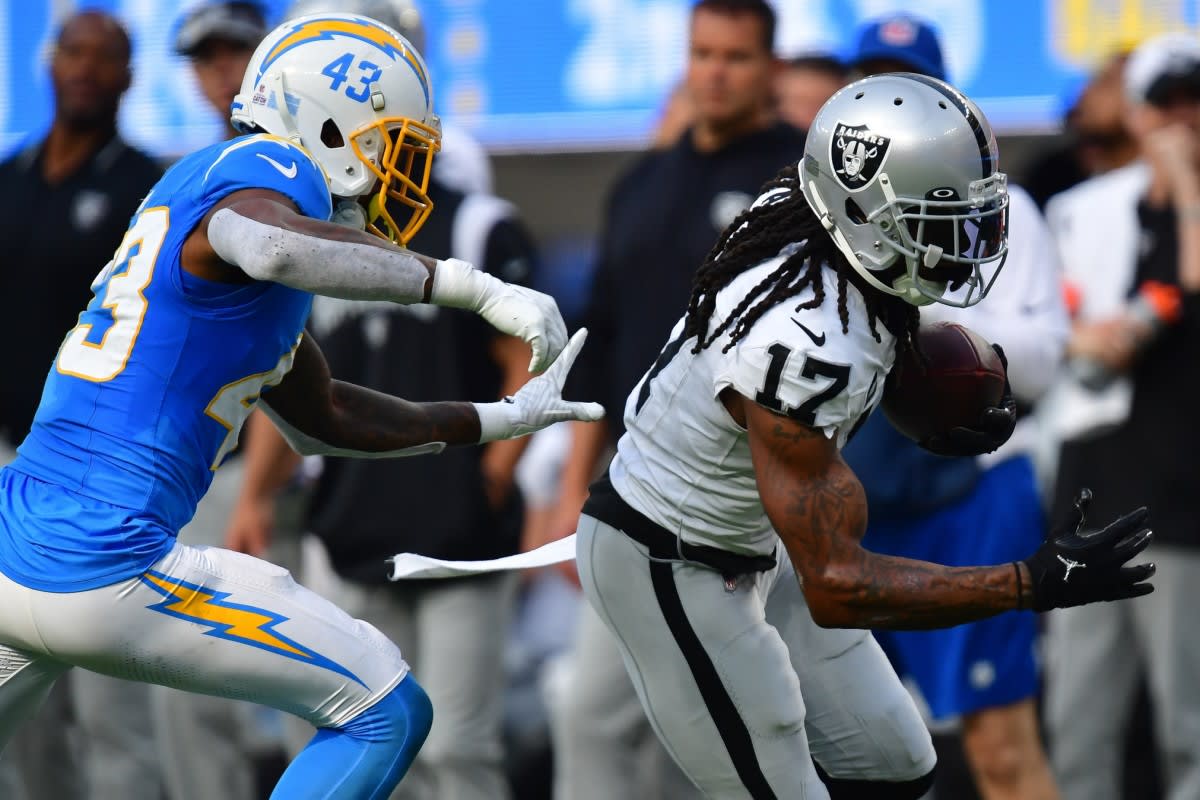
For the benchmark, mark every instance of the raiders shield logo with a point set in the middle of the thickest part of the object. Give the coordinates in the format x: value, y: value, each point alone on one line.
x: 856, y: 154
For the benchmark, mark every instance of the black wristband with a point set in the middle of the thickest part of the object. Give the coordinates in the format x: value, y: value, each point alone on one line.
x: 1020, y: 587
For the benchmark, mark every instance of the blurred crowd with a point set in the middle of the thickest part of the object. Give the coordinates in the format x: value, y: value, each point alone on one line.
x: 1097, y: 309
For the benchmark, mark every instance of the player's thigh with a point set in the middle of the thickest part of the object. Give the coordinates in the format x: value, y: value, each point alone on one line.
x: 714, y: 677
x: 223, y: 623
x: 862, y: 724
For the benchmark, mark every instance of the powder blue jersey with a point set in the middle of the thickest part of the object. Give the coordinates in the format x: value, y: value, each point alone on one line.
x: 149, y: 391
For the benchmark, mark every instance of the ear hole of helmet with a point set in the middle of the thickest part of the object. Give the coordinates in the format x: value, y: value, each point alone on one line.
x: 331, y: 136
x: 854, y: 212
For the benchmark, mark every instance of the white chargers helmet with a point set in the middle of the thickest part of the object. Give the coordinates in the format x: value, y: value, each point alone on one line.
x: 901, y: 169
x: 356, y: 95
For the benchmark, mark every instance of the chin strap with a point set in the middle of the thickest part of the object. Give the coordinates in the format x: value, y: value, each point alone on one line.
x: 291, y: 130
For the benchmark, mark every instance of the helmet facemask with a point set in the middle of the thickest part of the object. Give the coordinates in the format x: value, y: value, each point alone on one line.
x: 402, y: 170
x: 947, y: 242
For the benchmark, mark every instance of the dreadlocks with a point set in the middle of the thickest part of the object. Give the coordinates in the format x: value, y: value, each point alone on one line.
x: 762, y: 232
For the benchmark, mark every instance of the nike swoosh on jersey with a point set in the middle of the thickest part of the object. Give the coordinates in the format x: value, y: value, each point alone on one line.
x: 288, y: 172
x: 817, y: 340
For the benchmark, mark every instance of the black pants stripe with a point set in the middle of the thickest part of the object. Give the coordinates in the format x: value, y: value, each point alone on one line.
x: 720, y: 705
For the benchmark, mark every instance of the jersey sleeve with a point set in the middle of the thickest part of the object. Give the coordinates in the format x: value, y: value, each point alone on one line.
x: 269, y: 162
x: 801, y: 364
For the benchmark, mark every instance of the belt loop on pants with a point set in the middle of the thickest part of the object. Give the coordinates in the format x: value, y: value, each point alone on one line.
x: 610, y: 508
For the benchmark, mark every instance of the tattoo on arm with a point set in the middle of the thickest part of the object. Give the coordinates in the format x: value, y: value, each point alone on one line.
x: 819, y: 509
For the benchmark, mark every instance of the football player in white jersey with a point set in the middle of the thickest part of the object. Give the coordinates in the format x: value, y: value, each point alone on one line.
x: 752, y: 660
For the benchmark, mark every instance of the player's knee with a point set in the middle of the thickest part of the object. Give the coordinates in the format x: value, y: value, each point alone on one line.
x: 857, y: 789
x: 402, y: 717
x: 1002, y: 744
x: 418, y: 709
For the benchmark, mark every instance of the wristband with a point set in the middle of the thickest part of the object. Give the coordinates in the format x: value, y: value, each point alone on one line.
x: 457, y: 284
x: 1020, y: 587
x: 494, y: 421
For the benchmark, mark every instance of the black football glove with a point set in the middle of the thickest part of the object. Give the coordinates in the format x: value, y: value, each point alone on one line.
x: 1072, y: 567
x: 992, y: 431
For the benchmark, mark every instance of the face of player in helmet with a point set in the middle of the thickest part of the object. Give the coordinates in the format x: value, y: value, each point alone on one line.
x: 730, y: 70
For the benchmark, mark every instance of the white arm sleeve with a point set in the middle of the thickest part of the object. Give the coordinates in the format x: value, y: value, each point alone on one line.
x: 306, y: 445
x: 322, y: 266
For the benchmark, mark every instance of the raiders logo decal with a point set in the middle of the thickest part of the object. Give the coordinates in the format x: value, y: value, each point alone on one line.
x: 856, y: 154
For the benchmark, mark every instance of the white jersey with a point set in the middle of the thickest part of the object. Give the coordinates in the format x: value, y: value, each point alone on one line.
x: 685, y: 463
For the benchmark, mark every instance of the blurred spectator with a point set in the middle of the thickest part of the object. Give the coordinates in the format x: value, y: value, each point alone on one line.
x: 219, y: 39
x: 463, y: 504
x: 67, y: 200
x: 663, y: 216
x: 1097, y: 139
x: 678, y: 114
x: 804, y: 84
x: 898, y: 43
x: 1132, y: 435
x: 963, y: 511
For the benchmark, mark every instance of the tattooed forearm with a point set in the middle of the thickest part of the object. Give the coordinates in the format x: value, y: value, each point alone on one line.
x: 876, y: 591
x: 375, y: 422
x: 818, y: 507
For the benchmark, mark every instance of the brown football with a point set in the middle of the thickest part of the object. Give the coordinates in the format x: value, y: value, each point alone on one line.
x: 957, y: 376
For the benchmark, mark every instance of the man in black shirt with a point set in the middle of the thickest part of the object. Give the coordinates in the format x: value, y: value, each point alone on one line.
x: 663, y: 216
x: 65, y: 202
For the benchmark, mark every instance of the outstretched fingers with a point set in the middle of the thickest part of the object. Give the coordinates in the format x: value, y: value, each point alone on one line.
x: 548, y: 344
x: 584, y: 412
x: 562, y: 365
x: 1134, y: 582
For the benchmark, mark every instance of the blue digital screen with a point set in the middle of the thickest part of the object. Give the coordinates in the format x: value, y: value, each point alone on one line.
x: 543, y: 75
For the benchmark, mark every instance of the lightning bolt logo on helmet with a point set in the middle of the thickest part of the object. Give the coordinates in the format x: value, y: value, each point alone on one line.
x: 362, y: 29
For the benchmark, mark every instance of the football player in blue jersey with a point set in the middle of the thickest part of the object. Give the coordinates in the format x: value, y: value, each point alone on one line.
x: 200, y: 314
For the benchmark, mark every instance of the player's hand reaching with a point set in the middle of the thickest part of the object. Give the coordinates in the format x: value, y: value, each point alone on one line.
x: 531, y: 316
x: 539, y: 403
x: 1073, y: 567
x: 993, y: 428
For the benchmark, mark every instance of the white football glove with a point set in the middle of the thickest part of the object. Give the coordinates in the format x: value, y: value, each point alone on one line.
x: 539, y: 403
x: 515, y: 310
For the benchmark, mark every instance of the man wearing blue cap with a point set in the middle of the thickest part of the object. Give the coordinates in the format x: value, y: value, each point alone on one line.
x: 899, y: 43
x: 982, y: 674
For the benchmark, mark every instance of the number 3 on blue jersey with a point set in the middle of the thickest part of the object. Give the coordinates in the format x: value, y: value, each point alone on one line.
x: 99, y: 357
x: 127, y: 275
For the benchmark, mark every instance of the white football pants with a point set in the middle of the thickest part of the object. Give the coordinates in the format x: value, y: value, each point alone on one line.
x: 743, y: 688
